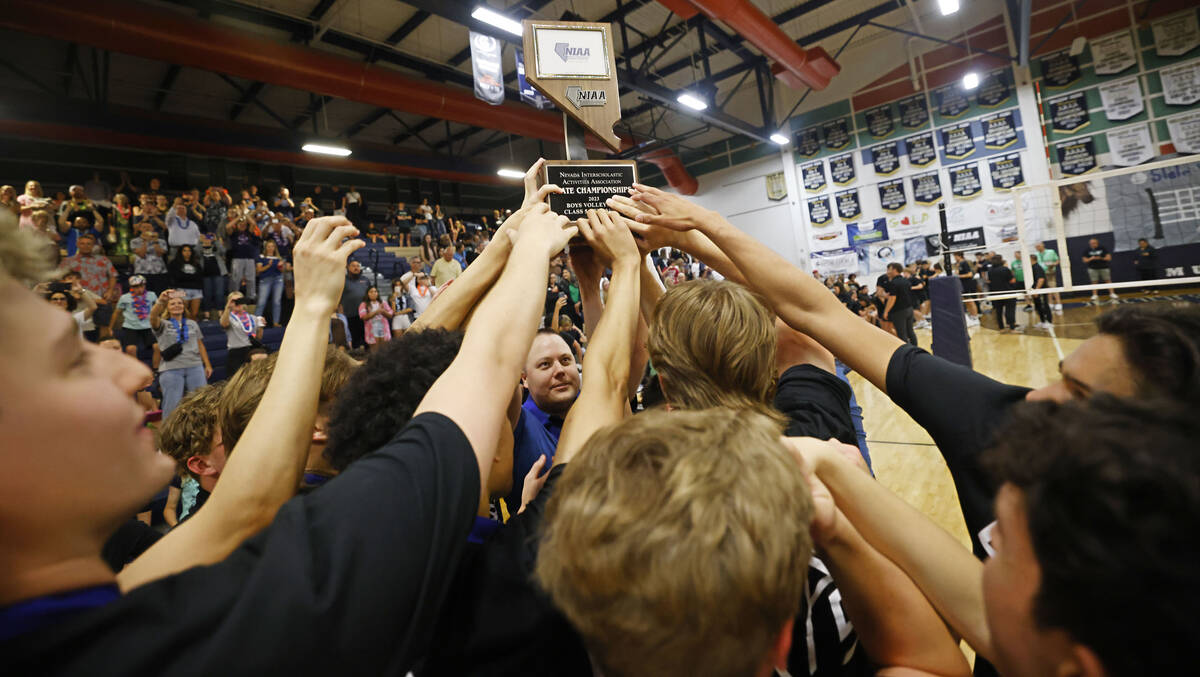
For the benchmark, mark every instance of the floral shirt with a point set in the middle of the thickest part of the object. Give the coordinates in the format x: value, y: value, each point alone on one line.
x: 94, y: 271
x: 152, y: 263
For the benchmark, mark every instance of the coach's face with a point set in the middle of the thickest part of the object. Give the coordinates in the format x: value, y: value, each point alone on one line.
x: 551, y: 375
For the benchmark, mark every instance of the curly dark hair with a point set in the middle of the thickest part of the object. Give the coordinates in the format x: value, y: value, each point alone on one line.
x: 1163, y: 347
x: 1112, y: 494
x: 380, y: 398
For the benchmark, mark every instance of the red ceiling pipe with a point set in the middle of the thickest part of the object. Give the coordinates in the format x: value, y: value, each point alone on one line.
x: 673, y: 170
x: 813, y: 67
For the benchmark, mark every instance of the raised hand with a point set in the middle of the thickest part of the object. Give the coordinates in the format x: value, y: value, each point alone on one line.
x: 609, y: 236
x: 650, y: 237
x: 673, y: 211
x: 533, y: 194
x: 546, y: 228
x: 320, y: 261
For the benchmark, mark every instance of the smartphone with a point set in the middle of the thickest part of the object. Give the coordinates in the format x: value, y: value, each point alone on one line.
x: 60, y: 287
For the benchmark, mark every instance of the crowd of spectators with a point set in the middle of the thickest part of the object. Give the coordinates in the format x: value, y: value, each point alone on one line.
x: 453, y: 502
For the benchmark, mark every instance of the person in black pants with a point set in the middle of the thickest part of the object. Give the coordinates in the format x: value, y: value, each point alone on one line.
x: 1001, y: 279
x: 1145, y: 261
x: 1040, y: 301
x: 899, y: 308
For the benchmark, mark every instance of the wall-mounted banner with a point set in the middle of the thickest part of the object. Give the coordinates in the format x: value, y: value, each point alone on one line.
x: 487, y: 67
x: 1060, y: 70
x: 848, y: 205
x: 886, y: 158
x: 841, y: 262
x: 808, y: 142
x: 528, y: 94
x: 994, y: 89
x: 966, y: 238
x: 879, y: 121
x: 812, y: 175
x: 1006, y: 171
x: 999, y: 130
x: 926, y: 188
x: 776, y: 186
x: 1122, y: 100
x: 1129, y: 146
x: 867, y: 231
x: 964, y: 180
x: 957, y: 141
x: 1069, y: 113
x: 837, y: 133
x: 1176, y: 34
x: 827, y: 237
x: 951, y: 101
x: 841, y: 169
x: 920, y: 149
x: 818, y: 210
x: 1077, y: 156
x: 891, y: 195
x: 1181, y: 83
x: 913, y: 111
x: 1185, y: 132
x: 1113, y: 54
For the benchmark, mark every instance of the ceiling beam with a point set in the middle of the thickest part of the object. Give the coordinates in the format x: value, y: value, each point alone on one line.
x: 368, y: 120
x: 164, y: 88
x: 251, y: 96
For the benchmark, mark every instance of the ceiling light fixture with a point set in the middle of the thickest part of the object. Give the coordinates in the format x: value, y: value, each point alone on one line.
x: 494, y: 18
x: 511, y: 173
x: 326, y: 150
x: 779, y: 139
x: 947, y: 7
x: 692, y: 101
x: 970, y: 80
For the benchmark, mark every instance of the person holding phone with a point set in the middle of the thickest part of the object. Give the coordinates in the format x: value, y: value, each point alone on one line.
x: 269, y: 268
x: 184, y: 366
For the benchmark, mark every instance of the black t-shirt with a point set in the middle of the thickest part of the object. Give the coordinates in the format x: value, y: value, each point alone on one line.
x: 1039, y: 273
x: 964, y: 268
x: 1097, y: 264
x: 187, y: 274
x: 901, y: 288
x: 817, y: 404
x: 402, y: 220
x: 346, y: 580
x: 1000, y: 278
x: 961, y: 409
x: 245, y: 244
x: 1146, y: 259
x: 130, y: 540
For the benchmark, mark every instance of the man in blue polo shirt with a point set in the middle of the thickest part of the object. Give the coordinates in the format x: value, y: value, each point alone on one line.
x: 552, y: 379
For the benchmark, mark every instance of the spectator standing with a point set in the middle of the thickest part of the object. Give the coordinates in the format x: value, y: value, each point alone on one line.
x: 352, y: 204
x: 132, y: 314
x: 97, y: 275
x: 402, y: 309
x: 126, y: 185
x: 1001, y: 280
x: 242, y: 332
x: 420, y: 289
x: 80, y: 225
x: 212, y: 263
x: 10, y: 209
x: 1049, y: 260
x: 284, y: 206
x: 966, y: 274
x: 187, y: 277
x: 1146, y: 263
x: 184, y: 366
x: 428, y: 250
x: 98, y: 190
x: 149, y: 252
x: 353, y: 291
x: 401, y: 226
x: 269, y: 267
x: 31, y: 200
x: 376, y: 316
x: 245, y: 245
x: 446, y: 268
x: 1040, y: 302
x: 181, y: 230
x: 1099, y: 263
x: 898, y: 308
x: 216, y: 207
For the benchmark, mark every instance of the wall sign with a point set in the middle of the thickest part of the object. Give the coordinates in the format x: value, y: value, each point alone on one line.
x: 1176, y: 34
x: 848, y: 205
x: 1006, y: 171
x: 879, y: 121
x: 818, y: 210
x: 1077, y: 156
x: 813, y: 176
x: 1069, y: 113
x: 913, y: 111
x: 1122, y: 99
x: 837, y: 133
x: 926, y: 188
x: 891, y: 195
x: 994, y: 90
x: 964, y: 180
x: 1129, y: 146
x: 999, y: 130
x: 1185, y: 132
x: 841, y: 169
x: 808, y: 143
x: 573, y: 66
x: 957, y: 141
x: 966, y: 238
x: 951, y: 101
x: 1113, y: 54
x: 1060, y: 70
x: 920, y: 149
x: 874, y: 230
x: 528, y: 94
x: 886, y: 158
x: 1181, y: 83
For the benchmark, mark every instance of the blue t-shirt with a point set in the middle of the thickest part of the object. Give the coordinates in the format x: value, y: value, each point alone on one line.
x: 536, y: 435
x: 273, y: 271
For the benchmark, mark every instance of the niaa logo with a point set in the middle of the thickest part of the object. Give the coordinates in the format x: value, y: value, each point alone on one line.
x: 568, y: 53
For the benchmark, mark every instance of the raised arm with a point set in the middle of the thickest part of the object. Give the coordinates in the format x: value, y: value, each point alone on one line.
x: 265, y: 467
x: 693, y: 242
x: 607, y: 363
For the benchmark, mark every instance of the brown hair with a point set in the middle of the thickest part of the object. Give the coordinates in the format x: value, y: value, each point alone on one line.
x: 678, y: 543
x: 245, y: 390
x: 188, y: 431
x: 713, y: 345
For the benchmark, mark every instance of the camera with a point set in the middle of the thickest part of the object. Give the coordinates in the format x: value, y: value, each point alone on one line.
x: 60, y: 287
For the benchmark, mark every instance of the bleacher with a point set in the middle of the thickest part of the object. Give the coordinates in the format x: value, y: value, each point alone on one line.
x: 214, y: 343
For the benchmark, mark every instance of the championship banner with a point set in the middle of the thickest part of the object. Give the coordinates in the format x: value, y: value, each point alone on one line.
x: 1181, y: 83
x: 488, y: 68
x: 913, y: 111
x: 776, y: 186
x: 999, y: 130
x: 891, y: 195
x: 1113, y: 54
x: 835, y: 262
x: 964, y: 180
x: 951, y: 102
x: 528, y: 94
x: 966, y: 238
x: 886, y: 158
x: 920, y: 149
x: 1077, y: 156
x: 1185, y: 132
x: 841, y: 169
x: 813, y: 176
x: 957, y: 141
x: 808, y: 142
x: 926, y: 188
x: 1176, y: 34
x: 1122, y: 100
x: 848, y: 205
x: 1006, y: 171
x: 879, y: 121
x: 837, y: 133
x: 1130, y: 146
x: 1069, y: 113
x: 867, y: 231
x: 1060, y: 70
x: 994, y: 89
x: 818, y: 210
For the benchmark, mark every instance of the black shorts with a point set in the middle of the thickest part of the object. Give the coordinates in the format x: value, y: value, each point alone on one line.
x: 969, y: 286
x: 142, y: 338
x: 817, y: 404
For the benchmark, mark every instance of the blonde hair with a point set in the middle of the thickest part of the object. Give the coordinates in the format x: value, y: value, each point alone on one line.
x: 25, y: 257
x: 713, y: 344
x: 678, y: 543
x: 188, y: 431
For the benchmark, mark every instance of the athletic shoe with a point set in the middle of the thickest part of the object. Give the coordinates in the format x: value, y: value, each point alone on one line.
x: 1113, y: 295
x: 1058, y: 307
x: 1095, y: 300
x: 1027, y: 307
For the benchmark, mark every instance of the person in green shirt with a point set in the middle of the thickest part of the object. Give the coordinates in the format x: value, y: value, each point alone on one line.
x: 1049, y: 260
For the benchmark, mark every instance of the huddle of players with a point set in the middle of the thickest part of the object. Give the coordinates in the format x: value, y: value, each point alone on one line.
x: 668, y: 542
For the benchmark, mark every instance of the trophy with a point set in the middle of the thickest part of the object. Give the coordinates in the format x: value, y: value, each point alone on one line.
x: 573, y: 65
